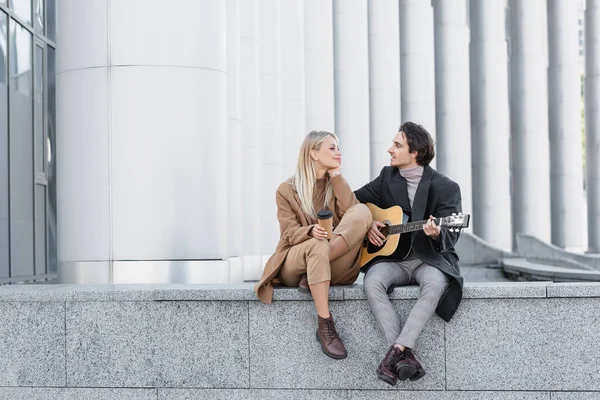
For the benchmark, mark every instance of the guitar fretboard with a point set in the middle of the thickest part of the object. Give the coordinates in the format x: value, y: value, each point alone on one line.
x: 411, y: 226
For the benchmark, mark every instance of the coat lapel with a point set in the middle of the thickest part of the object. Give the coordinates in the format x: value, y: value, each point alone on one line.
x: 420, y: 200
x: 397, y: 186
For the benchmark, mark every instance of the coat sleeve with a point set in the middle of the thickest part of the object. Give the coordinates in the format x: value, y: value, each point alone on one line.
x: 371, y: 192
x: 290, y: 228
x: 344, y: 197
x: 449, y: 202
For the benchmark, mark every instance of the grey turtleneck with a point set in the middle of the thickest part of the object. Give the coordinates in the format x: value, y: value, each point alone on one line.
x: 413, y: 177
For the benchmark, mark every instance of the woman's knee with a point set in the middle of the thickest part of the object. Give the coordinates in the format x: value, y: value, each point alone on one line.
x: 363, y: 212
x: 318, y: 247
x: 361, y: 215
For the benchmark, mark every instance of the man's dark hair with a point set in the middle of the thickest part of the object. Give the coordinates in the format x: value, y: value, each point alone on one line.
x: 418, y: 140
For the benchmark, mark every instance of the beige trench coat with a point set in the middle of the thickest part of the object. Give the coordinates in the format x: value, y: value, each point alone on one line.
x: 295, y: 225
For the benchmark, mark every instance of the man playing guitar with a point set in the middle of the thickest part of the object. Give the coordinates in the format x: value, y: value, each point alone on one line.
x: 425, y: 257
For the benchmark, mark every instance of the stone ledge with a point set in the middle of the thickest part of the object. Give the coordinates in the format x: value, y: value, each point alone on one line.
x: 244, y: 292
x: 502, y: 343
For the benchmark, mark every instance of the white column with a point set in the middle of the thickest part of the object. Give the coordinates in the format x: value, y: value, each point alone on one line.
x: 252, y: 193
x: 384, y: 79
x: 529, y: 119
x: 234, y: 133
x: 418, y: 64
x: 592, y: 119
x: 490, y: 123
x: 292, y: 83
x: 318, y: 64
x: 351, y: 49
x: 140, y: 114
x: 565, y: 124
x: 270, y: 125
x: 453, y: 100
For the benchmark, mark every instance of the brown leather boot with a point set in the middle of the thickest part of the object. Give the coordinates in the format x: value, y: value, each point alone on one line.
x: 408, y: 367
x: 387, y: 368
x: 303, y: 285
x: 331, y: 343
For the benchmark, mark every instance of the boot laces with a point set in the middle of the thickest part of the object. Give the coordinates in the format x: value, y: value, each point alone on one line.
x: 330, y: 330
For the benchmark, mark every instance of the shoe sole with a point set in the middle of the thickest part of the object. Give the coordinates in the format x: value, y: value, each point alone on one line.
x: 387, y: 379
x: 406, y: 372
x: 335, y: 356
x: 418, y: 375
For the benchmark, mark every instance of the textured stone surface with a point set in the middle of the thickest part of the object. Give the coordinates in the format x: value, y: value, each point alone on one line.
x: 284, y: 352
x: 157, y: 344
x: 413, y: 395
x: 356, y: 292
x: 76, y: 394
x: 32, y: 344
x: 474, y: 290
x: 578, y: 289
x: 500, y: 290
x: 524, y: 344
x: 250, y: 394
x: 276, y: 394
x: 576, y: 396
x: 126, y: 292
x: 292, y: 293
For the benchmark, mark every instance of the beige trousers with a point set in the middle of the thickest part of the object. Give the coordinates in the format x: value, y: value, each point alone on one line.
x: 311, y: 257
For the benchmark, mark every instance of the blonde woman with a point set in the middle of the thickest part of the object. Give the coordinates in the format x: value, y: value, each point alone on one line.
x: 304, y: 257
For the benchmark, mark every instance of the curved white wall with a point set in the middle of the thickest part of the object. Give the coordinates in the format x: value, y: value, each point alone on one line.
x: 529, y: 119
x: 490, y: 123
x: 138, y: 158
x: 384, y: 79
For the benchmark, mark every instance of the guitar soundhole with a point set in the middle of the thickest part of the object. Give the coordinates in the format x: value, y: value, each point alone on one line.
x: 371, y: 248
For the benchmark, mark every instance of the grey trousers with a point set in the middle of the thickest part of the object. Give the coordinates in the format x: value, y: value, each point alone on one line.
x: 410, y: 271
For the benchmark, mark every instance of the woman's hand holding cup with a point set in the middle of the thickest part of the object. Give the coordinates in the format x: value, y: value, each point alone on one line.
x: 318, y: 232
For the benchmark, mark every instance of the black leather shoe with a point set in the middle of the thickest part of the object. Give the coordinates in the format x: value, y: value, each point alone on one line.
x: 408, y: 367
x: 387, y: 368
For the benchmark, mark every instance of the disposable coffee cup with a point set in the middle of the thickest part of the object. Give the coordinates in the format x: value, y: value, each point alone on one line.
x: 325, y: 220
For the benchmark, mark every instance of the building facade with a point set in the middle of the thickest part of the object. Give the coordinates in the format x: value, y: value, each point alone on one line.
x: 176, y: 122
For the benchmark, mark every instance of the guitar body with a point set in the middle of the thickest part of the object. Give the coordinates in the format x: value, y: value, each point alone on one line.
x: 397, y: 232
x: 389, y: 216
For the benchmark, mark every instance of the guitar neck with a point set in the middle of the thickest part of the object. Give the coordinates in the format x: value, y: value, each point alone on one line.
x: 411, y: 226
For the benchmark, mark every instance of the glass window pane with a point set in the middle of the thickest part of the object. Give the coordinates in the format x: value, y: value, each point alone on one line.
x: 51, y: 19
x: 40, y: 229
x: 20, y: 65
x: 22, y: 8
x: 38, y: 16
x: 51, y: 159
x: 38, y: 110
x: 3, y: 47
x: 38, y: 77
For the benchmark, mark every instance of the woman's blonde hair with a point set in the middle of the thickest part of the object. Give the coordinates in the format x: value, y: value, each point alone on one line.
x: 305, y: 178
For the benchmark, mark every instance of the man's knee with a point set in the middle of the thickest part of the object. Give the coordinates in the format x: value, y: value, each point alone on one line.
x: 434, y: 288
x: 373, y: 286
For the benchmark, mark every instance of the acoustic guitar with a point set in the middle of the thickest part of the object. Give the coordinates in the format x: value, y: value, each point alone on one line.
x: 396, y: 223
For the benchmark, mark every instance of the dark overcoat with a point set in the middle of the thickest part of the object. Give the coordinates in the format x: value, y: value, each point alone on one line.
x: 436, y: 195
